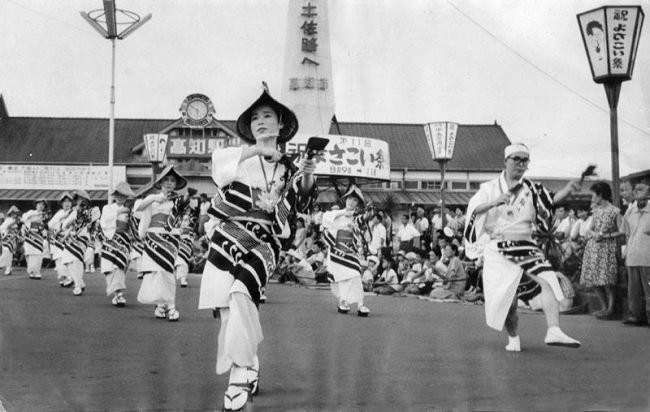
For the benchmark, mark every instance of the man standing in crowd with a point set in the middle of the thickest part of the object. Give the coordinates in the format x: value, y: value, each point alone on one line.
x: 422, y: 226
x: 407, y: 235
x: 637, y: 259
x: 378, y: 231
x: 508, y: 209
x: 627, y: 195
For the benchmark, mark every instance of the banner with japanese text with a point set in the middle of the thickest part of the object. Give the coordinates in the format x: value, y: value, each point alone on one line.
x: 54, y: 177
x: 348, y: 156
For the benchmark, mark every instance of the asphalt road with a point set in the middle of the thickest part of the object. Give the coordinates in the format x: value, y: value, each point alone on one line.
x: 64, y: 353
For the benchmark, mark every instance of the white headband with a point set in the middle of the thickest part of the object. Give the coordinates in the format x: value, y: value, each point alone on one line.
x: 515, y: 148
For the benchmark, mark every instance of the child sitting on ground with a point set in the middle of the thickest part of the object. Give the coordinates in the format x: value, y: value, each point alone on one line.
x: 369, y: 274
x: 387, y: 284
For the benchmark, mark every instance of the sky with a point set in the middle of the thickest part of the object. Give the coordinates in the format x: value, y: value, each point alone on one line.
x: 520, y: 63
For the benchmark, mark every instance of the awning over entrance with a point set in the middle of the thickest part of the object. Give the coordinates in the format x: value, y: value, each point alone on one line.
x: 53, y: 195
x: 417, y: 197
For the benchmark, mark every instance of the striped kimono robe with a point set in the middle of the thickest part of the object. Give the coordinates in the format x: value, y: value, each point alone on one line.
x: 245, y: 247
x: 78, y: 241
x: 343, y: 258
x: 35, y: 244
x: 9, y: 234
x: 56, y: 239
x: 118, y: 232
x: 506, y: 261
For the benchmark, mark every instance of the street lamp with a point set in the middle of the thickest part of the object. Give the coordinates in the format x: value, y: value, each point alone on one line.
x: 611, y: 38
x: 441, y: 137
x: 106, y: 23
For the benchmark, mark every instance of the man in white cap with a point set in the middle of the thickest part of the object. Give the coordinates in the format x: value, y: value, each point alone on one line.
x: 503, y: 215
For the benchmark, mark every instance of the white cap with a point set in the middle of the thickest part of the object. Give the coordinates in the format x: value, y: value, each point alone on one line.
x: 515, y: 148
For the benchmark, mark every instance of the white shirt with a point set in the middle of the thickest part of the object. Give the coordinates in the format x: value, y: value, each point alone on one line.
x: 378, y: 238
x: 407, y: 233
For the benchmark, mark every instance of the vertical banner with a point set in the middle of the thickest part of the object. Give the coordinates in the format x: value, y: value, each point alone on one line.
x: 307, y: 77
x: 156, y: 146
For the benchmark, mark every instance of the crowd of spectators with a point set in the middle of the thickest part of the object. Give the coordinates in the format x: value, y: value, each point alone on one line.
x: 417, y: 255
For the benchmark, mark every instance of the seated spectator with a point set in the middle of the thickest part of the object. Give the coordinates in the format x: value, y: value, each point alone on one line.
x: 416, y: 276
x: 387, y: 283
x: 403, y: 265
x: 434, y: 269
x: 454, y: 279
x: 369, y: 273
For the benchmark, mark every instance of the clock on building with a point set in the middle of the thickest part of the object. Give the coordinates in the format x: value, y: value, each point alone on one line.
x: 197, y: 110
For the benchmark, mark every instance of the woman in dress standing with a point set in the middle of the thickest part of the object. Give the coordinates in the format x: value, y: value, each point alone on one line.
x: 161, y: 214
x: 79, y: 234
x: 257, y: 193
x: 119, y: 230
x: 34, y: 222
x: 57, y: 235
x: 599, y: 265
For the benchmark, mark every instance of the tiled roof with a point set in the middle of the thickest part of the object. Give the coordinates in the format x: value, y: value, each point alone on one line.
x: 70, y: 140
x: 85, y: 140
x: 478, y: 147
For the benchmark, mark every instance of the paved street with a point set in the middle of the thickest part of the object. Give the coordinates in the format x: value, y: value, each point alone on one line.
x: 62, y: 353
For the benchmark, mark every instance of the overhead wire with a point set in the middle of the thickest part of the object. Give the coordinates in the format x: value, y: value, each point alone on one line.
x: 47, y: 16
x: 539, y: 69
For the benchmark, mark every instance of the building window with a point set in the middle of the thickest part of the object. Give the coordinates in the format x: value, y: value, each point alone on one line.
x: 376, y: 185
x: 396, y: 185
x: 431, y: 184
x: 474, y: 185
x: 411, y: 184
x: 458, y: 185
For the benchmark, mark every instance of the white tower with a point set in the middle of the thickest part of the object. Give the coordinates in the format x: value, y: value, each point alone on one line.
x: 307, y: 77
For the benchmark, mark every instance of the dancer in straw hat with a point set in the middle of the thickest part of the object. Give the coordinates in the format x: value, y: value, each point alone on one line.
x: 119, y: 230
x: 257, y: 191
x: 57, y: 235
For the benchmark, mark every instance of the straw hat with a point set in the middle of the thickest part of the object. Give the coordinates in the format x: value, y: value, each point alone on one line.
x: 124, y: 189
x: 41, y: 200
x: 82, y: 194
x: 66, y: 195
x: 354, y: 191
x: 181, y: 182
x: 286, y: 117
x: 13, y: 209
x: 373, y: 258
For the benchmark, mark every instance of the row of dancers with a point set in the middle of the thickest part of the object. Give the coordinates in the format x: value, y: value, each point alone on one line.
x: 146, y: 234
x: 259, y: 193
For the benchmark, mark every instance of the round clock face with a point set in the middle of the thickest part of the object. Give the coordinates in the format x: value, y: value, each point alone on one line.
x: 197, y: 110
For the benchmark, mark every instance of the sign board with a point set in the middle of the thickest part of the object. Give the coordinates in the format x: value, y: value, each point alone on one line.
x: 441, y: 138
x: 156, y: 146
x: 51, y: 177
x: 611, y: 37
x: 196, y: 147
x: 348, y: 156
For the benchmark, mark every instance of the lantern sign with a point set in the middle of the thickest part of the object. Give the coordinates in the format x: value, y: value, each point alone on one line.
x: 156, y: 146
x: 611, y: 38
x: 441, y: 138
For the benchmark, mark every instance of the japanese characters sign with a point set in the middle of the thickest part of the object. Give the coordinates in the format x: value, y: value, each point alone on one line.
x: 307, y: 75
x: 194, y: 146
x: 348, y: 156
x: 156, y: 146
x: 51, y: 177
x: 441, y: 138
x: 611, y: 38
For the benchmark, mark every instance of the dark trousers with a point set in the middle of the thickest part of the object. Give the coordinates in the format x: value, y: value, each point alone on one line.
x: 638, y: 291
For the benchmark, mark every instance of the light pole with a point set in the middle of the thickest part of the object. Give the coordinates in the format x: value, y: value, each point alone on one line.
x: 441, y: 137
x: 611, y: 37
x: 105, y: 21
